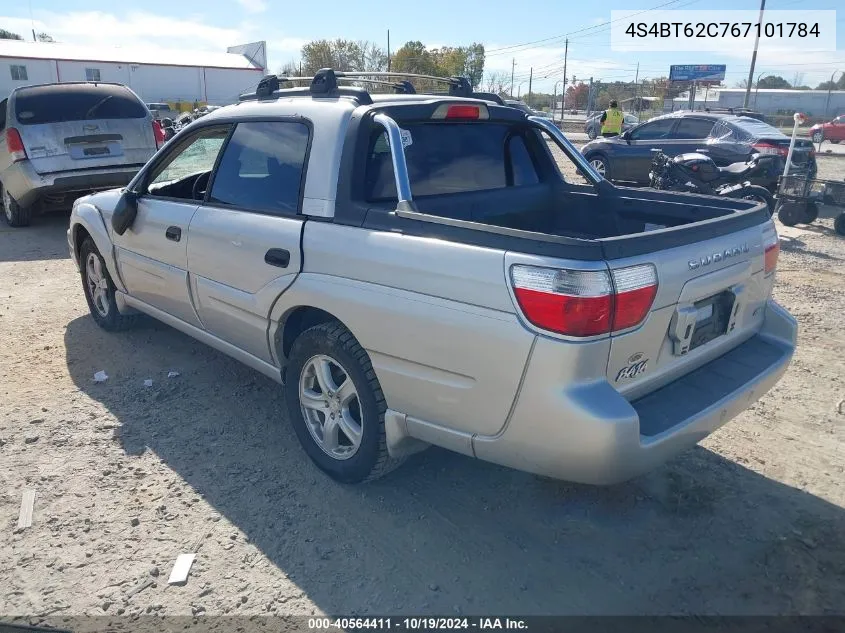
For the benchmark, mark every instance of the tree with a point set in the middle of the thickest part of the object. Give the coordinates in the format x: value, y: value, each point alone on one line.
x: 413, y: 57
x: 289, y: 69
x: 833, y: 85
x: 342, y: 54
x: 773, y: 82
x: 43, y: 37
x: 8, y: 35
x: 448, y: 61
x: 497, y: 82
x: 576, y: 96
x: 741, y: 84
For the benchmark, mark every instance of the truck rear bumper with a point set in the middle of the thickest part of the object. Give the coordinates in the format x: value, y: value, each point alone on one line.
x: 26, y: 185
x: 591, y: 434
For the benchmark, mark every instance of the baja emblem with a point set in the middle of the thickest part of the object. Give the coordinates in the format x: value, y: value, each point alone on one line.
x: 632, y: 370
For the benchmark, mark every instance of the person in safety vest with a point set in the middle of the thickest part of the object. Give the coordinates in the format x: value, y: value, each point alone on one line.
x: 611, y: 120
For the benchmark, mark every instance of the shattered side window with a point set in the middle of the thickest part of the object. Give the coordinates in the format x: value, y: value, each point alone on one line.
x: 724, y: 132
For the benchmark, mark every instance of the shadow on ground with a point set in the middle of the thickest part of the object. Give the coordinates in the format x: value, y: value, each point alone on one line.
x: 447, y: 533
x: 45, y: 238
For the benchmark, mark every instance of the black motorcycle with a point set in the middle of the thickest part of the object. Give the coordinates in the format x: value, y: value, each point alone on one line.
x: 698, y: 173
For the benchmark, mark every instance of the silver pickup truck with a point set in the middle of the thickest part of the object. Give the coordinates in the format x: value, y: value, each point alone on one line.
x: 416, y: 269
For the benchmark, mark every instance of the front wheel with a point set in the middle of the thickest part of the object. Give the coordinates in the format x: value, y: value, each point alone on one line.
x: 818, y: 137
x: 600, y: 164
x: 790, y: 213
x: 591, y: 133
x: 336, y: 405
x: 811, y: 213
x: 99, y: 289
x: 756, y: 194
x: 15, y: 214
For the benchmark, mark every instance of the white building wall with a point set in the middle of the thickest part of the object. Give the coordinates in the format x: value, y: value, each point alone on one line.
x: 38, y: 71
x: 224, y: 85
x: 153, y: 83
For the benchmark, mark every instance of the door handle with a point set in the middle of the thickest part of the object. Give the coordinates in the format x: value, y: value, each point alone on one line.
x: 173, y: 233
x: 279, y: 257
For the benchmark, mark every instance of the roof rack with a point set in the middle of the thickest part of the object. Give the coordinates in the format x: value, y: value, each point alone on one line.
x: 325, y: 84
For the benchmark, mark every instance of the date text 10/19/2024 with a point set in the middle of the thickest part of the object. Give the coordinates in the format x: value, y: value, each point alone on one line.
x: 417, y: 624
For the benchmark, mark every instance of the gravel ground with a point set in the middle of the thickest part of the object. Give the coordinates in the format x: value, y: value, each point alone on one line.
x: 128, y: 477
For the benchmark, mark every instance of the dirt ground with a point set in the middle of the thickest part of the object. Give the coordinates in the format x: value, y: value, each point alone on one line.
x: 128, y: 477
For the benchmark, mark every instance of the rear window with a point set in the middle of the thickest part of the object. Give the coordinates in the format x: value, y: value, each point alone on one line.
x: 57, y: 104
x: 754, y: 128
x: 448, y: 158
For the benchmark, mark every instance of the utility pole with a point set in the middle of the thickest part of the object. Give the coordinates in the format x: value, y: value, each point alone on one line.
x: 388, y: 50
x: 754, y: 56
x: 300, y: 68
x: 636, y: 82
x: 563, y: 95
x: 530, y: 78
x: 513, y: 65
x: 590, y: 98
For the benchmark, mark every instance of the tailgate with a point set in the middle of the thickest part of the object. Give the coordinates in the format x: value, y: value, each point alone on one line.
x: 72, y: 145
x: 711, y: 297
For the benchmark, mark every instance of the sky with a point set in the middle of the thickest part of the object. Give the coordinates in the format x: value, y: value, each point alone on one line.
x: 518, y: 36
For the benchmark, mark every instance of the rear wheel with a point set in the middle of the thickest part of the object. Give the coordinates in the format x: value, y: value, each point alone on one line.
x: 818, y: 136
x: 839, y: 224
x: 591, y: 133
x: 15, y: 214
x: 757, y: 194
x: 336, y: 405
x: 811, y: 213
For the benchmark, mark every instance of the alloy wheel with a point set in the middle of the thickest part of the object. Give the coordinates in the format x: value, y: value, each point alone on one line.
x: 97, y: 284
x: 331, y: 407
x: 598, y: 165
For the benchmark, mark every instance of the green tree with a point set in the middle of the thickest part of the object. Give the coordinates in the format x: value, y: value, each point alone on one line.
x: 8, y: 35
x: 448, y: 61
x: 43, y: 37
x: 342, y: 54
x: 773, y: 82
x: 413, y: 57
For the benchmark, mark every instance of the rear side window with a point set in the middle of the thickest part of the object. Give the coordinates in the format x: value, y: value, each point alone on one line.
x: 262, y: 167
x: 754, y: 128
x: 448, y: 158
x: 653, y: 130
x: 693, y: 128
x: 76, y: 102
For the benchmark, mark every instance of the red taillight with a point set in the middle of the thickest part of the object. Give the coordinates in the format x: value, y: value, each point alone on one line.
x: 636, y: 288
x: 584, y: 303
x: 768, y: 148
x: 771, y: 254
x: 158, y: 133
x: 463, y: 112
x: 14, y: 144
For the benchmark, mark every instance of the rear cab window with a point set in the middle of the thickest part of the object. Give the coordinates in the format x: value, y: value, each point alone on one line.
x: 38, y: 105
x: 452, y: 157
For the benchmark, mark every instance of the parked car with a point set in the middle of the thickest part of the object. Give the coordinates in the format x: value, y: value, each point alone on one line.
x: 592, y: 126
x: 833, y: 131
x: 161, y: 110
x: 725, y: 138
x: 521, y: 105
x: 62, y: 141
x: 415, y: 270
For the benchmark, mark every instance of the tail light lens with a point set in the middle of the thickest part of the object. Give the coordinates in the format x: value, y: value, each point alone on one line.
x: 584, y: 303
x: 768, y: 148
x: 15, y: 145
x: 772, y: 251
x: 158, y: 133
x: 461, y: 112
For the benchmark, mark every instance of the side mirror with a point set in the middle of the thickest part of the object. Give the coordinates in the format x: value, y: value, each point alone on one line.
x: 626, y: 136
x: 125, y: 212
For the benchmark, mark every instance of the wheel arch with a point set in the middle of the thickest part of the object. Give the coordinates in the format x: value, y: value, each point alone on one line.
x: 86, y: 221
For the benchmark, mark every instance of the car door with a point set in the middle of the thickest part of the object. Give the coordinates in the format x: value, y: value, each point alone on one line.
x: 152, y: 256
x: 837, y: 129
x: 634, y: 158
x: 244, y: 241
x: 691, y: 134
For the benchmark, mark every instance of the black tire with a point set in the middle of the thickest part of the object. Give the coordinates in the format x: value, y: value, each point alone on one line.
x: 756, y: 193
x: 839, y: 224
x: 104, y: 311
x: 371, y: 459
x: 790, y: 213
x: 599, y: 159
x: 15, y: 214
x: 811, y: 213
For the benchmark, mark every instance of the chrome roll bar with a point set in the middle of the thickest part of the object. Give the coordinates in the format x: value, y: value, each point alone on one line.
x: 397, y: 155
x: 568, y: 148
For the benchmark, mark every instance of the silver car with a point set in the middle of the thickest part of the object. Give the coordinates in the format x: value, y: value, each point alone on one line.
x: 416, y: 270
x: 61, y: 141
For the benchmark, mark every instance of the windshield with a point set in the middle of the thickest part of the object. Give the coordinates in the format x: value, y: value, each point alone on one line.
x: 76, y: 102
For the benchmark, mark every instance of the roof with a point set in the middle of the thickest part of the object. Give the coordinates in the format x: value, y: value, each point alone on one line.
x: 129, y: 55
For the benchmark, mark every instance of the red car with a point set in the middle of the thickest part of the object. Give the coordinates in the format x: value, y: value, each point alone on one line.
x: 833, y: 131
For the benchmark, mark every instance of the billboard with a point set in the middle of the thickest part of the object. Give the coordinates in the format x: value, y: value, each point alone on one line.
x: 697, y: 72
